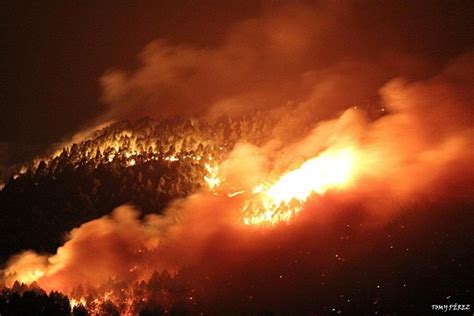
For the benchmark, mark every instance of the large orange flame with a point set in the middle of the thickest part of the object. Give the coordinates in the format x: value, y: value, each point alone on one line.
x: 282, y: 200
x: 271, y: 203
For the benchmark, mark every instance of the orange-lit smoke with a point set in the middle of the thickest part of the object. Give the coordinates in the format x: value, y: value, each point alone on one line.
x: 293, y: 55
x: 421, y: 148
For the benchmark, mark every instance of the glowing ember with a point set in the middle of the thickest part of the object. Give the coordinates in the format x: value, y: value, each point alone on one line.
x: 232, y: 194
x: 172, y: 158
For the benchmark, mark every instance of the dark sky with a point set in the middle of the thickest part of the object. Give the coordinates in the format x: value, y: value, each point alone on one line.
x: 53, y: 52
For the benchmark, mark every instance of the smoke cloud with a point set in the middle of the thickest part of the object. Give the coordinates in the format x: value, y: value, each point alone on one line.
x: 322, y: 57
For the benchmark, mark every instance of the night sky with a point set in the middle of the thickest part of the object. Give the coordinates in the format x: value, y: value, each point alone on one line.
x: 54, y: 52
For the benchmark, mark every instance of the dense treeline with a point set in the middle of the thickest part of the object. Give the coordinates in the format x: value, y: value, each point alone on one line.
x: 161, y: 294
x: 147, y: 163
x: 35, y: 302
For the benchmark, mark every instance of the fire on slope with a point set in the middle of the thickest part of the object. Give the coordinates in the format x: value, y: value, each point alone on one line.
x: 280, y: 201
x: 130, y: 144
x: 271, y: 203
x: 266, y: 204
x: 405, y: 156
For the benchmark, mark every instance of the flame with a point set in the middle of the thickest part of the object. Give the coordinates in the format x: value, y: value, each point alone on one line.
x: 212, y: 178
x: 30, y: 276
x: 272, y: 203
x: 77, y: 302
x: 125, y: 147
x: 315, y: 175
x: 267, y: 203
x: 282, y: 200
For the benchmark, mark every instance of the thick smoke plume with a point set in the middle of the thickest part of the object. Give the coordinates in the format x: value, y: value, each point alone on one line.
x: 297, y: 55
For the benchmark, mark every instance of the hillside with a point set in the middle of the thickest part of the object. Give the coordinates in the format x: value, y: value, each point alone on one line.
x: 147, y: 163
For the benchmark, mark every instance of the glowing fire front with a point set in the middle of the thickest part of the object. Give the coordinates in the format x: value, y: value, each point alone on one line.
x: 272, y: 203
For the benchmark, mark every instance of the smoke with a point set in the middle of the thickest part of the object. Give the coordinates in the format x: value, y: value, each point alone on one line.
x: 322, y: 58
x: 316, y: 59
x: 419, y: 151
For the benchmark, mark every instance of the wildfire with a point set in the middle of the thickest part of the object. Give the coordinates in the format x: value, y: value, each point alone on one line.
x: 273, y: 203
x: 269, y: 203
x: 329, y: 170
x: 77, y: 302
x: 280, y: 201
x: 30, y: 276
x: 212, y: 178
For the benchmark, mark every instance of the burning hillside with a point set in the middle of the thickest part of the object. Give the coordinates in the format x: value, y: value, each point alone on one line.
x: 148, y: 163
x: 271, y: 212
x: 311, y: 158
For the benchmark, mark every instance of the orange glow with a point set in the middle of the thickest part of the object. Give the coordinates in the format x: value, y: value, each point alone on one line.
x: 29, y: 276
x: 212, y: 178
x: 280, y: 201
x: 315, y: 175
x: 77, y: 302
x: 272, y: 203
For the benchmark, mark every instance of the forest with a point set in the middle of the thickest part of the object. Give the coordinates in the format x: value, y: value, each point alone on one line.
x: 146, y: 163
